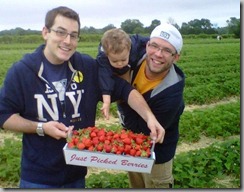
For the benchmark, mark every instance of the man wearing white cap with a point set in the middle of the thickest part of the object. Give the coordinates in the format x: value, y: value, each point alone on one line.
x: 161, y: 82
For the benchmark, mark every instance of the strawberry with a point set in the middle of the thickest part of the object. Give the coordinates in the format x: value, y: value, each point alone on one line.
x: 99, y: 147
x: 138, y: 153
x: 102, y: 138
x: 101, y: 132
x: 116, y: 136
x: 139, y: 140
x: 71, y: 145
x: 80, y: 146
x: 132, y: 152
x: 107, y: 148
x: 88, y: 143
x: 75, y: 140
x: 110, y: 133
x: 120, y: 148
x: 107, y: 142
x: 95, y: 141
x: 123, y: 135
x: 93, y: 134
x: 127, y: 149
x: 75, y: 132
x: 91, y: 148
x: 137, y: 147
x: 127, y: 141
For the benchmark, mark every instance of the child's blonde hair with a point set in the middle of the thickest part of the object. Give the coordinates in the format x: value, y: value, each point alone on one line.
x: 115, y: 41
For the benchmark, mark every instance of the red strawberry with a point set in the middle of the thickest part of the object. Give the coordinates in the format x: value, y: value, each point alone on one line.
x: 110, y: 133
x: 75, y: 140
x: 80, y: 146
x: 101, y: 132
x: 102, y: 138
x: 88, y: 143
x: 116, y: 136
x: 132, y: 152
x: 139, y: 140
x: 99, y: 147
x: 123, y: 135
x: 127, y: 149
x: 127, y: 141
x: 75, y: 132
x: 95, y: 141
x: 71, y: 145
x: 138, y: 153
x: 91, y: 148
x: 120, y: 148
x: 93, y: 134
x: 107, y: 148
x: 107, y: 142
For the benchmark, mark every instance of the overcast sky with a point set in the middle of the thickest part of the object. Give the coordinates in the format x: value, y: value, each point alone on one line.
x: 30, y: 14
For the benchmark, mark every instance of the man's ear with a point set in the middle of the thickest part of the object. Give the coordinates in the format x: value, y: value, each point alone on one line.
x: 45, y: 32
x: 177, y: 57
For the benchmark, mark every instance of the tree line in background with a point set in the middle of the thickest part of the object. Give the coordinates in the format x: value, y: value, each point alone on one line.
x: 134, y: 26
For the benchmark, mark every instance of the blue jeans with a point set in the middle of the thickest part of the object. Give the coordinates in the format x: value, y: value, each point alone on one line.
x: 80, y: 183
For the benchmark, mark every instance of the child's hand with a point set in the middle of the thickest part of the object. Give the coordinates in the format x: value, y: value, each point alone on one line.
x: 106, y: 106
x: 105, y: 110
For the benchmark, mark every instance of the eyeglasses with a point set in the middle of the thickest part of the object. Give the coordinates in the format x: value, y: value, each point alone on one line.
x: 164, y: 51
x: 63, y: 34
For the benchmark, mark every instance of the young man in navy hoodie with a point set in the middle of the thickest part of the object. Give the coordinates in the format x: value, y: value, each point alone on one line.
x: 161, y: 82
x: 52, y: 91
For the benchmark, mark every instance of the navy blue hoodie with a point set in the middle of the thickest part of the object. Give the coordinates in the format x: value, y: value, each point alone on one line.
x: 26, y: 92
x: 167, y: 104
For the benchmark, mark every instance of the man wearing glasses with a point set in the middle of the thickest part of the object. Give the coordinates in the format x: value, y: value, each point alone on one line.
x: 161, y: 82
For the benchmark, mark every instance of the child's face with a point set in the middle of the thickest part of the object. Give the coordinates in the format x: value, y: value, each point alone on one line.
x: 119, y: 60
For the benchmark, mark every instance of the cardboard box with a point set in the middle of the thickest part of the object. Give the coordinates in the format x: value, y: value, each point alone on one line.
x: 108, y: 160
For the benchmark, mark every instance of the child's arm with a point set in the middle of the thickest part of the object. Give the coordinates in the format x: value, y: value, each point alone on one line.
x: 105, y: 74
x: 106, y: 106
x: 106, y: 82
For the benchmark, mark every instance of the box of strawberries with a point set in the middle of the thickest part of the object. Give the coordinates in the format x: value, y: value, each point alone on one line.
x: 121, y: 150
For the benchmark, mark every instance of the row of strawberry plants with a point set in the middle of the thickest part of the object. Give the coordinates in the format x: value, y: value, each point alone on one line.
x: 204, y: 51
x: 203, y: 167
x: 190, y: 59
x: 205, y: 71
x: 212, y: 92
x: 218, y: 79
x: 212, y: 74
x: 200, y: 168
x: 219, y: 121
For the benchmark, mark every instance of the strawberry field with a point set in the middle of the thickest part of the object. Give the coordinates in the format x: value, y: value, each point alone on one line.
x: 212, y: 97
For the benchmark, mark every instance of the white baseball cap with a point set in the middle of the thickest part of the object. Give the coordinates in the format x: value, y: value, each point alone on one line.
x: 169, y: 33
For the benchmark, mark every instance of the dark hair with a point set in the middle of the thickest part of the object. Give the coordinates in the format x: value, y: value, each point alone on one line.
x: 64, y: 11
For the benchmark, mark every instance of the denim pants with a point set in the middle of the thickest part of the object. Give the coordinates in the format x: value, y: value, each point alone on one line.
x: 80, y: 183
